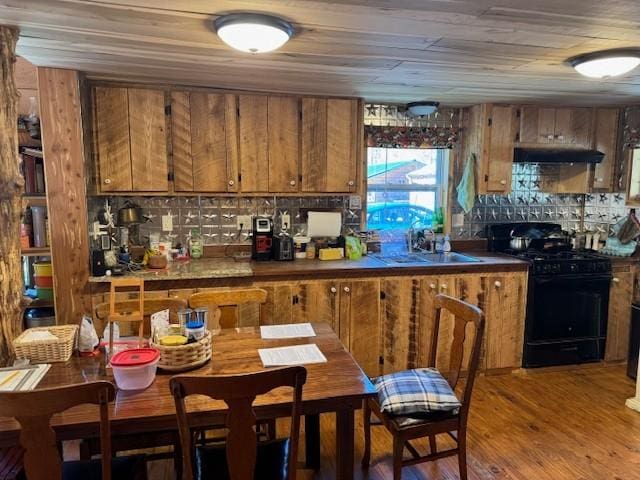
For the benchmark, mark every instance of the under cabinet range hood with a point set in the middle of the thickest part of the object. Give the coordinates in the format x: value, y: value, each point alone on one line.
x: 556, y: 155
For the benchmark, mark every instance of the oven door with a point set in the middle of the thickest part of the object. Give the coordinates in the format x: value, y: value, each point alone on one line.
x: 568, y: 307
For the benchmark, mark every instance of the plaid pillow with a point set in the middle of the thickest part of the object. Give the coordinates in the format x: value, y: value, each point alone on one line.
x: 415, y: 392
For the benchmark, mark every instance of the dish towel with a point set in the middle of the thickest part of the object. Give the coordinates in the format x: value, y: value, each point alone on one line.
x: 467, y: 186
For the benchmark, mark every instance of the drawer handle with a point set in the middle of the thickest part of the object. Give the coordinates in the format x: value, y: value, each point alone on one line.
x: 351, y: 183
x: 503, y: 182
x: 443, y: 287
x: 292, y: 183
x: 599, y: 180
x: 346, y: 289
x: 549, y: 137
x: 497, y: 284
x: 432, y: 286
x: 107, y: 181
x: 231, y: 183
x: 615, y: 279
x: 333, y: 289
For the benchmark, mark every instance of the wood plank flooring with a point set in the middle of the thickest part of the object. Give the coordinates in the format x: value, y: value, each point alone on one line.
x: 539, y: 425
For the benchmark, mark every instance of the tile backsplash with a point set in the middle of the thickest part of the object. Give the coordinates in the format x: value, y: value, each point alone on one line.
x: 528, y: 202
x: 216, y: 217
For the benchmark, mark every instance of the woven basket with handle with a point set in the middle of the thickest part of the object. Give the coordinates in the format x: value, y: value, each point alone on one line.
x: 185, y: 357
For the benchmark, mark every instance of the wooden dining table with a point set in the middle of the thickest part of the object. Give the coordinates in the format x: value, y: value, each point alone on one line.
x: 338, y: 386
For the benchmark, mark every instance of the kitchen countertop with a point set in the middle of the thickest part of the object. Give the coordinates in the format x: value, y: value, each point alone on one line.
x: 214, y: 268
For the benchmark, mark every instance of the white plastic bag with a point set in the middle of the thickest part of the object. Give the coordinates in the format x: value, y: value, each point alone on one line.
x: 88, y: 339
x: 116, y: 332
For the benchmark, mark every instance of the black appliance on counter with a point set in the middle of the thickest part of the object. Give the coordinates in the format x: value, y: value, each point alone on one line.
x: 283, y: 249
x: 568, y: 295
x: 262, y: 240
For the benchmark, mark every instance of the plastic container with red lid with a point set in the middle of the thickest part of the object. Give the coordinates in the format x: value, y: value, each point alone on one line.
x: 135, y: 369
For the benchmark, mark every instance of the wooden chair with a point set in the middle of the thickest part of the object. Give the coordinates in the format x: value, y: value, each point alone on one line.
x: 227, y: 302
x: 33, y: 411
x: 242, y: 457
x: 135, y: 315
x: 150, y: 306
x: 463, y: 314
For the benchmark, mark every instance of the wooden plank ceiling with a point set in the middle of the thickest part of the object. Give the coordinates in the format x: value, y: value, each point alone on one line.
x: 458, y: 52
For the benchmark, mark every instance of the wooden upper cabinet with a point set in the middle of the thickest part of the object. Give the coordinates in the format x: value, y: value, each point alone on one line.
x: 284, y: 143
x: 330, y: 139
x: 254, y: 143
x: 130, y: 140
x: 605, y: 140
x: 205, y: 142
x: 546, y: 126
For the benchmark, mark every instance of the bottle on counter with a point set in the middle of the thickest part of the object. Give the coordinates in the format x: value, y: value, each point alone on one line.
x: 195, y: 244
x: 438, y: 221
x: 446, y: 245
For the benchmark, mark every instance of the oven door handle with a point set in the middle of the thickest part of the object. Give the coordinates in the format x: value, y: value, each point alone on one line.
x: 563, y: 278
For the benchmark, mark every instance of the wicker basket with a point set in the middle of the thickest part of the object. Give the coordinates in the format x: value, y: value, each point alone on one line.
x: 47, y: 351
x: 185, y: 357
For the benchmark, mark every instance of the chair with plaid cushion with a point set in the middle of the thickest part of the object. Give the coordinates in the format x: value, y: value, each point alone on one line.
x: 421, y: 402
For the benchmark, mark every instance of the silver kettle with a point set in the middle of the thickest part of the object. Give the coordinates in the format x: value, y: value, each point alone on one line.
x: 519, y: 243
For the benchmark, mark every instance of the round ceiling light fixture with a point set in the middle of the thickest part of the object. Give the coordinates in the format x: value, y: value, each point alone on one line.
x: 421, y: 109
x: 606, y: 63
x: 253, y: 32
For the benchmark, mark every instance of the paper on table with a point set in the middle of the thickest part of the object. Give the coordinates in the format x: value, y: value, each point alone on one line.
x: 290, y: 330
x: 292, y: 355
x: 21, y: 379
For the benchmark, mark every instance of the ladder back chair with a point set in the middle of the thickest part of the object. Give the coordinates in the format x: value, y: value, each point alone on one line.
x: 225, y: 304
x: 33, y: 411
x: 242, y: 457
x: 136, y: 314
x: 150, y: 306
x: 436, y: 423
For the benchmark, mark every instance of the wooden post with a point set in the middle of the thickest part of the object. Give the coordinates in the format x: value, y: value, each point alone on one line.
x: 11, y: 188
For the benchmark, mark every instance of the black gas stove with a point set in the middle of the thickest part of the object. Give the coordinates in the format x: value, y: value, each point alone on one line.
x: 568, y: 296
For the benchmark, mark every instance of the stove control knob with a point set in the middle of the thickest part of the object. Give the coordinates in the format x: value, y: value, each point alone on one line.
x: 573, y: 267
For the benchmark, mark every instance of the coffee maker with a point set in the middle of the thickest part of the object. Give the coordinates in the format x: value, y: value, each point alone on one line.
x: 262, y: 239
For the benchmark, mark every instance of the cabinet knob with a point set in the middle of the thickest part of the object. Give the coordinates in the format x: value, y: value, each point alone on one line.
x: 443, y: 287
x: 346, y: 289
x: 599, y: 180
x: 351, y: 183
x: 497, y: 284
x: 107, y: 181
x: 549, y: 137
x: 503, y: 182
x: 231, y: 183
x: 432, y: 286
x: 333, y: 289
x: 560, y: 137
x: 615, y: 279
x: 292, y: 183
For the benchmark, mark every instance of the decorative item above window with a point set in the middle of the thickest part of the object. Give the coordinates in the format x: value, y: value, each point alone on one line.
x: 391, y: 126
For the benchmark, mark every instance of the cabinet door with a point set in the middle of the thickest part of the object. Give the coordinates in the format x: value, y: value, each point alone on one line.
x: 113, y: 148
x: 284, y: 139
x: 505, y: 306
x: 254, y: 143
x: 401, y: 322
x: 279, y: 307
x: 204, y: 138
x: 606, y: 141
x: 329, y: 145
x: 147, y: 130
x: 499, y: 156
x: 318, y: 301
x: 342, y: 138
x: 537, y: 125
x: 360, y: 322
x: 573, y: 127
x: 619, y: 319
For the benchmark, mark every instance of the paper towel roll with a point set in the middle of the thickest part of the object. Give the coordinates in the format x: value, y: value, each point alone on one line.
x: 324, y: 224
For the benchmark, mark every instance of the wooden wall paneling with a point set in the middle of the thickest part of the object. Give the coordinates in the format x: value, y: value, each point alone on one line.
x: 314, y: 144
x: 284, y: 143
x: 181, y: 142
x: 620, y: 299
x: 342, y: 128
x: 208, y: 142
x: 605, y: 140
x: 364, y: 323
x: 254, y: 143
x: 148, y: 136
x: 113, y: 140
x: 400, y: 323
x: 502, y: 137
x: 66, y: 191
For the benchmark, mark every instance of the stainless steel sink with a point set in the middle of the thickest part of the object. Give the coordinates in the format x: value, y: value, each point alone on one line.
x: 419, y: 258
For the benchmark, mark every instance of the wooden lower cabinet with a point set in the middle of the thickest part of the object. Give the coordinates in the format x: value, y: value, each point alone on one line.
x: 408, y: 318
x: 619, y: 321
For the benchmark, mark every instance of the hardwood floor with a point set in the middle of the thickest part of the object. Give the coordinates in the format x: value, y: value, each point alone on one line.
x: 539, y: 425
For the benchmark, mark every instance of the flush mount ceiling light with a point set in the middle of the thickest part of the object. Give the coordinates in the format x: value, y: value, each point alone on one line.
x: 607, y: 63
x: 420, y: 109
x: 253, y: 32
